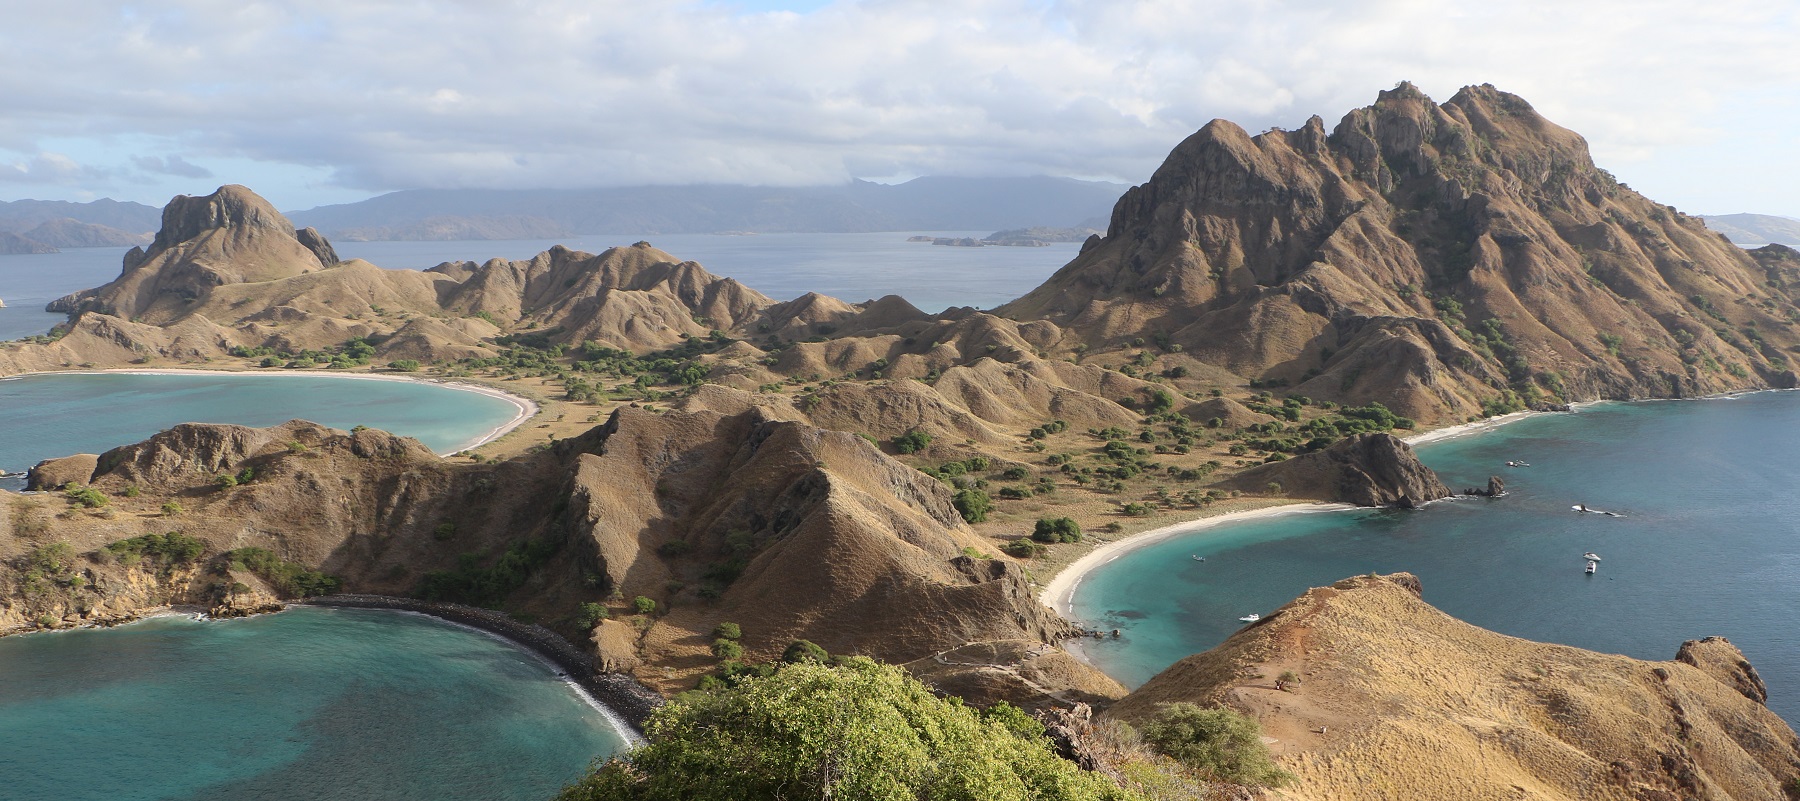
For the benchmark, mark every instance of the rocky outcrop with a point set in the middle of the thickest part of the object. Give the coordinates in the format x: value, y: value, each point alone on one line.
x: 1365, y: 470
x: 1496, y: 487
x: 1393, y: 698
x: 1434, y: 258
x: 1724, y: 662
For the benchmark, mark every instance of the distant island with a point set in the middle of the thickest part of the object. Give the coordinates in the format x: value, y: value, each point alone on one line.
x: 1756, y: 230
x: 1034, y: 237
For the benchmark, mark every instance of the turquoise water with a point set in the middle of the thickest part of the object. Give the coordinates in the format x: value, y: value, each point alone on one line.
x: 1708, y: 544
x: 317, y: 704
x: 60, y: 414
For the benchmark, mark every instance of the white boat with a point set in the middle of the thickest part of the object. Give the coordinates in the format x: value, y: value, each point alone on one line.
x: 1591, y: 566
x: 1250, y: 618
x: 1198, y: 557
x: 1591, y: 556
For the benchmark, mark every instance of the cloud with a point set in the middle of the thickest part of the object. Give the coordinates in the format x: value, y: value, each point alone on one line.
x: 171, y: 165
x: 53, y: 169
x: 386, y: 94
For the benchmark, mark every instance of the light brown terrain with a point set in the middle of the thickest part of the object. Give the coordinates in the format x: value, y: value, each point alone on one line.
x: 1390, y: 698
x: 850, y: 473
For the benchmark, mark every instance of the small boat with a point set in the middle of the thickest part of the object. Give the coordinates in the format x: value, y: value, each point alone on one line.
x: 1591, y: 566
x: 1591, y: 556
x: 1198, y: 557
x: 1250, y: 618
x: 1517, y: 464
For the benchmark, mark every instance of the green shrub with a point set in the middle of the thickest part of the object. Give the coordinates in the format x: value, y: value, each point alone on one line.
x: 727, y: 649
x: 1055, y: 530
x: 286, y: 577
x: 473, y: 584
x: 172, y: 509
x: 1023, y: 549
x: 805, y: 651
x: 53, y: 559
x: 404, y: 365
x: 590, y: 614
x: 173, y: 548
x: 860, y: 731
x: 972, y: 504
x: 643, y: 605
x: 728, y: 631
x: 444, y: 531
x: 1219, y: 741
x: 87, y: 496
x: 912, y: 441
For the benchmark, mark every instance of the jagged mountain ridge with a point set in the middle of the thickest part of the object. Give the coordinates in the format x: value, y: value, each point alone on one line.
x: 1329, y: 261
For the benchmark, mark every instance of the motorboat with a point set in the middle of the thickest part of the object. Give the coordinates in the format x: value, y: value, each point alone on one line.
x: 1198, y: 557
x: 1250, y: 618
x: 1592, y: 566
x: 1591, y: 556
x: 1518, y: 463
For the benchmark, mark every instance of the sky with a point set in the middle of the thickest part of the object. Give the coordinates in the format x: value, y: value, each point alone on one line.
x: 327, y: 101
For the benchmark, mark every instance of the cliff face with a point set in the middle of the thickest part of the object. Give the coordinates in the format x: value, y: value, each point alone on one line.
x: 1394, y: 699
x: 1429, y: 257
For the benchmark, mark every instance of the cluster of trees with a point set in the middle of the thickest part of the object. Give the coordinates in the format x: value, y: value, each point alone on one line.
x: 288, y: 578
x: 173, y: 548
x: 353, y: 353
x: 473, y: 584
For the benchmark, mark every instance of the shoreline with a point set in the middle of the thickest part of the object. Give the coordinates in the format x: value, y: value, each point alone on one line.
x: 625, y: 703
x: 1059, y: 592
x: 525, y: 408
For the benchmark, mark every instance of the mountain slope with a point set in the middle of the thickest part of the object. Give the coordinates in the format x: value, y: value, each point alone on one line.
x: 1438, y: 259
x: 1395, y: 699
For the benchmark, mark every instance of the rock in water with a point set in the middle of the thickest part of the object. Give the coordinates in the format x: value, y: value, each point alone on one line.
x: 1496, y: 487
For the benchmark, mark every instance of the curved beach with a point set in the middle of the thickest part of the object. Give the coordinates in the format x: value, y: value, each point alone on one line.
x: 525, y: 407
x: 1059, y: 593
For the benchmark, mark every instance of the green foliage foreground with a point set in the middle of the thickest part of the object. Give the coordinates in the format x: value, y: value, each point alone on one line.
x: 857, y: 731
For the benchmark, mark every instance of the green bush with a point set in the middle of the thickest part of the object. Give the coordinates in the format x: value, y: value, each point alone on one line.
x: 472, y: 584
x: 728, y: 631
x: 643, y: 605
x: 173, y: 548
x: 860, y: 731
x: 404, y: 365
x: 288, y: 578
x: 1022, y: 548
x: 1219, y: 741
x: 590, y: 614
x: 172, y: 509
x: 727, y: 649
x: 805, y: 651
x: 912, y: 441
x: 972, y: 504
x: 1055, y: 530
x: 87, y: 496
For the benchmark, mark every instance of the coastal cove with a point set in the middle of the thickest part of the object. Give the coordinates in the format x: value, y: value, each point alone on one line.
x: 348, y: 704
x: 1704, y: 544
x: 57, y: 414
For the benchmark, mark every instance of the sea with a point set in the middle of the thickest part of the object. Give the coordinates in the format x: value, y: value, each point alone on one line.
x: 1704, y: 540
x: 313, y: 703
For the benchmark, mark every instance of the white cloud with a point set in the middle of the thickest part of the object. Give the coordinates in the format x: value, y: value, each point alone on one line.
x: 387, y: 94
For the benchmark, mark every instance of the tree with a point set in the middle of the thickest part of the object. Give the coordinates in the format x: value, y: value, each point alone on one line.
x: 972, y: 504
x: 805, y: 651
x: 1219, y: 741
x: 643, y: 605
x: 912, y: 441
x: 1055, y: 530
x: 859, y: 731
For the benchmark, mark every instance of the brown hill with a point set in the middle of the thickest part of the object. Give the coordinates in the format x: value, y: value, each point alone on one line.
x: 792, y: 531
x: 14, y: 244
x: 1430, y: 257
x: 1393, y: 699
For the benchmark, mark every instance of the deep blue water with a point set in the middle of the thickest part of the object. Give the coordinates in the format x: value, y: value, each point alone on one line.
x: 1709, y: 544
x: 317, y: 704
x: 60, y: 414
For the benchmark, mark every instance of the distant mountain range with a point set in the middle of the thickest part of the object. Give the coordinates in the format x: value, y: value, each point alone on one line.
x: 44, y: 226
x: 1756, y: 230
x: 922, y: 204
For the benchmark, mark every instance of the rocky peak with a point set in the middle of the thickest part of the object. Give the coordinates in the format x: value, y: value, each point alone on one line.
x: 1366, y: 470
x: 187, y: 217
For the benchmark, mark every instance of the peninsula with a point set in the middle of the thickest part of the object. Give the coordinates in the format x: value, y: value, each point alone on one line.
x: 1258, y: 322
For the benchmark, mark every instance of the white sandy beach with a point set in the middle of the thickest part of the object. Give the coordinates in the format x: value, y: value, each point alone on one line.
x: 526, y: 408
x: 1059, y: 594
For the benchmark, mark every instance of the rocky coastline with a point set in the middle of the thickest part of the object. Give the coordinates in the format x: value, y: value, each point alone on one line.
x: 633, y: 702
